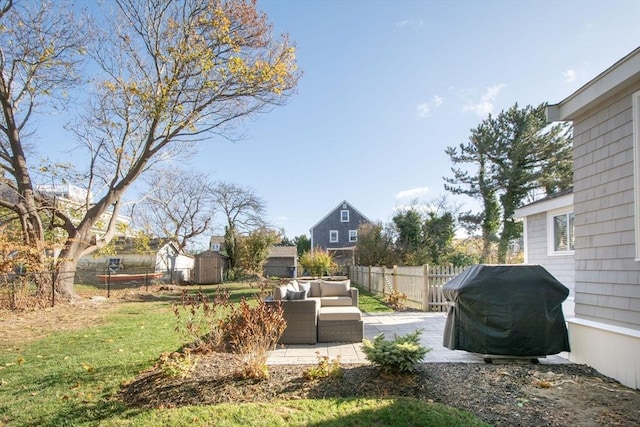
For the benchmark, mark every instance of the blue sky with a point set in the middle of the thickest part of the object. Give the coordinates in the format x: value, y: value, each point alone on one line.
x: 388, y: 85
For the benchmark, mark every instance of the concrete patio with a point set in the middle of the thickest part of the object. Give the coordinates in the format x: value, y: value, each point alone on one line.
x: 432, y: 325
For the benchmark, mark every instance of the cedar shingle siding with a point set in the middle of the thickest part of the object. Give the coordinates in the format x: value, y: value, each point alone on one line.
x: 607, y: 275
x: 320, y: 233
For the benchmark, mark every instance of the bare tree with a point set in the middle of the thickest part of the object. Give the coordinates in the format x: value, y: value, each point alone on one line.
x: 243, y: 211
x: 174, y: 72
x: 40, y: 51
x: 178, y: 204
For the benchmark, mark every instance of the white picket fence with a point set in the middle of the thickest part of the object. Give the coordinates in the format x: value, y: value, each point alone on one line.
x: 422, y: 284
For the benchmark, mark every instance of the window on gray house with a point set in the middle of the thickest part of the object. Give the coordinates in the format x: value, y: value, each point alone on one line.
x: 353, y: 235
x: 333, y: 236
x: 344, y: 215
x: 563, y: 226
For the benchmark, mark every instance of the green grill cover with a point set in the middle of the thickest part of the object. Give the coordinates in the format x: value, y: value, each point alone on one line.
x: 512, y: 310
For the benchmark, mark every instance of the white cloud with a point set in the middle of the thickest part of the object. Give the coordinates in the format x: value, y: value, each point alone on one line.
x: 410, y: 23
x: 569, y: 76
x: 424, y: 109
x: 412, y: 193
x: 485, y: 106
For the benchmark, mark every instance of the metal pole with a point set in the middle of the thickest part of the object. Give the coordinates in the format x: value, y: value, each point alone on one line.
x: 109, y: 283
x: 53, y: 288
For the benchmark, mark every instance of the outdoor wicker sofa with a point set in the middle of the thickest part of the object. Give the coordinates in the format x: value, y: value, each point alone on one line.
x: 319, y: 311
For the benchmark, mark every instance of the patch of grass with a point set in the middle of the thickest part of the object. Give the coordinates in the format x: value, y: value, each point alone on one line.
x: 72, y: 377
x: 321, y: 412
x: 370, y: 303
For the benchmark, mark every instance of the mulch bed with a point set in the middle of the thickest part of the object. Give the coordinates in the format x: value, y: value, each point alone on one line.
x: 503, y: 394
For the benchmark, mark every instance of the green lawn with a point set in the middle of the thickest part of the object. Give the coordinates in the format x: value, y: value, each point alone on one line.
x: 72, y: 378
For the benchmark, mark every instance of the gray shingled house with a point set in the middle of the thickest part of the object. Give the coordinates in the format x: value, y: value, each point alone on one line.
x: 605, y: 332
x: 337, y: 232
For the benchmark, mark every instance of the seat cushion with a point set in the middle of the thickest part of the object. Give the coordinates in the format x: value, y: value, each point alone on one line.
x: 336, y: 301
x: 339, y: 313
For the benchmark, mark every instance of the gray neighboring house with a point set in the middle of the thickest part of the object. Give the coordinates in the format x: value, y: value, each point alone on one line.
x: 605, y: 332
x: 337, y: 232
x: 549, y: 239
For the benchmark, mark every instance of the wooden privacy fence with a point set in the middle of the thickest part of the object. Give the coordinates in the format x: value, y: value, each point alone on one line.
x: 422, y: 284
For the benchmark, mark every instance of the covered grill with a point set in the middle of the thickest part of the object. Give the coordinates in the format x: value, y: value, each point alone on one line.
x: 508, y: 310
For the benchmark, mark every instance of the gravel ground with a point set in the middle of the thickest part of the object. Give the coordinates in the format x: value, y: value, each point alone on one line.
x: 503, y: 394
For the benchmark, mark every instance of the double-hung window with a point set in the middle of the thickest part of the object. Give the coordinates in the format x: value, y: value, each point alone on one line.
x: 561, y: 232
x: 353, y: 235
x: 333, y: 236
x: 344, y: 215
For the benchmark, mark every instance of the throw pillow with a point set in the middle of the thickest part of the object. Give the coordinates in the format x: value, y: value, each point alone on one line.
x: 304, y: 286
x: 315, y: 289
x: 293, y: 286
x: 296, y: 295
x: 280, y: 293
x: 334, y: 289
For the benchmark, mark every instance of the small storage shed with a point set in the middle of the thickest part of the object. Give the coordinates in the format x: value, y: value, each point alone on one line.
x: 209, y: 267
x: 509, y: 310
x: 282, y: 262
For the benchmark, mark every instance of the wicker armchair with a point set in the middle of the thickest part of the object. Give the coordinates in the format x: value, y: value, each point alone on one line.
x: 302, y: 321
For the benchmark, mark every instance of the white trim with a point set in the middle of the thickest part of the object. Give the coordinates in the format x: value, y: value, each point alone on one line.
x: 613, y: 78
x: 525, y: 239
x: 353, y: 236
x: 342, y: 219
x: 551, y: 238
x: 635, y: 122
x: 337, y: 239
x: 544, y: 206
x: 621, y: 330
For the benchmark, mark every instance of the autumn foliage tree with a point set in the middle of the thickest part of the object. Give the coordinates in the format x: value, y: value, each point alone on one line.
x: 171, y: 74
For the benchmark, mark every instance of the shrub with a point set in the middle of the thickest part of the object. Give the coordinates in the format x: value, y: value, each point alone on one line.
x: 396, y: 300
x: 401, y: 355
x: 177, y: 364
x: 198, y: 318
x: 324, y: 368
x: 251, y: 332
x: 317, y: 262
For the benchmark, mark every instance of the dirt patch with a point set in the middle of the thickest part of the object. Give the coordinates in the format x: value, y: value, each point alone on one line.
x: 90, y: 308
x: 505, y: 394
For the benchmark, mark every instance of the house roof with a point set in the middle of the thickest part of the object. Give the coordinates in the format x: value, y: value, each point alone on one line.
x: 283, y: 251
x: 336, y: 208
x: 558, y: 200
x: 618, y: 76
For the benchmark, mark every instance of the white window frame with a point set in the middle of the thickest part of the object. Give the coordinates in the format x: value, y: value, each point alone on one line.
x: 551, y: 238
x: 342, y: 215
x: 635, y: 122
x: 333, y: 239
x: 353, y: 235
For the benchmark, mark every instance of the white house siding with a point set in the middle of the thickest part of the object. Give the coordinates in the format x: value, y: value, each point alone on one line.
x: 561, y: 266
x: 607, y: 279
